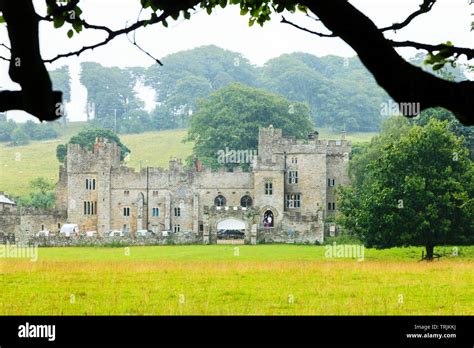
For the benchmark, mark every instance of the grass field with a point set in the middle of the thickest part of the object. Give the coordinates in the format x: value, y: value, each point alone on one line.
x: 21, y: 164
x: 249, y: 280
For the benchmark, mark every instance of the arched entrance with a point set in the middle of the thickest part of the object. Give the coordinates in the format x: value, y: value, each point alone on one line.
x: 268, y: 219
x: 231, y: 231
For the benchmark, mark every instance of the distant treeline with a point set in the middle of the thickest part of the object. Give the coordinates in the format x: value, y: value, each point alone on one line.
x: 339, y: 92
x: 21, y: 133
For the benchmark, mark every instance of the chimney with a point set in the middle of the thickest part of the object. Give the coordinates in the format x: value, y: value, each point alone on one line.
x: 96, y: 145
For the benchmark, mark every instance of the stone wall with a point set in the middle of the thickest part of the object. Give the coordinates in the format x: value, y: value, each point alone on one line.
x: 194, y: 193
x: 10, y: 222
x: 62, y: 241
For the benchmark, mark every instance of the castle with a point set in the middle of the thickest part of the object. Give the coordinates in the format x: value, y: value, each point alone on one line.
x: 286, y: 196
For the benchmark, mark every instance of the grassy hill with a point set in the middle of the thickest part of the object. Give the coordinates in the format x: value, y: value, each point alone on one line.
x: 20, y: 164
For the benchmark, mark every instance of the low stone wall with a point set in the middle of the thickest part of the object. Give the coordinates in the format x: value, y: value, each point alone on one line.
x: 288, y: 235
x: 10, y: 222
x: 62, y: 241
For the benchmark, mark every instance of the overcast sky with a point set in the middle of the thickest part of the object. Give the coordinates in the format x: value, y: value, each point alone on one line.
x: 448, y: 20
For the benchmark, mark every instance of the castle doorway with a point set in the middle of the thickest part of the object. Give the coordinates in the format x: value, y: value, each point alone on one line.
x: 231, y: 231
x: 268, y: 219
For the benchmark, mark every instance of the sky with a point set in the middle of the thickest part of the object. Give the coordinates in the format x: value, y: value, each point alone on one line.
x: 448, y: 20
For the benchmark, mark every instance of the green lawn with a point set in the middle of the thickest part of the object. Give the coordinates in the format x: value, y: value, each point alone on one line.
x: 19, y: 165
x: 247, y: 280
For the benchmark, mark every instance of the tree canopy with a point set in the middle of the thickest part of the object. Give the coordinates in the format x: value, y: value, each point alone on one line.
x: 417, y: 189
x: 187, y: 76
x: 110, y: 94
x: 232, y: 116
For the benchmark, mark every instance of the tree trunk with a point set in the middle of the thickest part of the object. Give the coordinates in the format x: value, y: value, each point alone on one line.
x: 429, y: 252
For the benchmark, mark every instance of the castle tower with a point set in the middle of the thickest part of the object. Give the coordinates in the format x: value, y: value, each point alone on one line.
x: 269, y: 178
x: 88, y: 184
x: 108, y: 154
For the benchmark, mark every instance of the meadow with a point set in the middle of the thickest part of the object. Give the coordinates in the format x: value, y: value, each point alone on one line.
x: 243, y: 280
x: 21, y: 164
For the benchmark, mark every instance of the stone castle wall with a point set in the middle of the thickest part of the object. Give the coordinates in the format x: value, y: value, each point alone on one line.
x: 126, y: 199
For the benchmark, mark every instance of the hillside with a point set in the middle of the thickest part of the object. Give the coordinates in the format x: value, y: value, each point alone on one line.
x: 19, y: 165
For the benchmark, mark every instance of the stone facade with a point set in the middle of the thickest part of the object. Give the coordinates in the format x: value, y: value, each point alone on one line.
x: 25, y: 222
x: 293, y: 181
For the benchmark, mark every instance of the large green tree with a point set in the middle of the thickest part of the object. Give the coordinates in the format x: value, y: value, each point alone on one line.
x: 363, y: 154
x: 232, y: 116
x: 453, y: 124
x: 187, y: 76
x: 419, y: 190
x: 111, y: 93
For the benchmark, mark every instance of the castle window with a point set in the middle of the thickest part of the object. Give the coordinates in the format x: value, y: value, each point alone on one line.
x: 246, y: 201
x: 292, y: 177
x: 126, y: 211
x: 90, y: 184
x: 177, y: 211
x: 176, y: 228
x: 155, y: 212
x: 294, y: 160
x: 201, y: 227
x: 90, y: 208
x: 331, y: 182
x: 268, y: 188
x: 155, y: 193
x: 220, y: 201
x: 331, y: 206
x: 126, y: 193
x: 293, y: 200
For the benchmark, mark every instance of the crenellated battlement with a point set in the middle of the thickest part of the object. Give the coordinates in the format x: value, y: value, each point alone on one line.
x: 284, y: 169
x: 103, y: 154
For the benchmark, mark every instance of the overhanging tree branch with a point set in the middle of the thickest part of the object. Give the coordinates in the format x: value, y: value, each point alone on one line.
x: 170, y: 9
x: 468, y: 52
x: 402, y: 81
x: 283, y: 20
x: 111, y: 35
x: 424, y: 7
